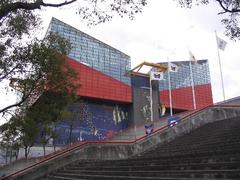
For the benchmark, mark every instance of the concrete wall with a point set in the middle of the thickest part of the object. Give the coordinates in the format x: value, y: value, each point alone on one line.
x: 122, y: 151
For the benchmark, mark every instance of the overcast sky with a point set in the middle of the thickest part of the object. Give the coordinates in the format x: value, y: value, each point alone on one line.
x: 165, y: 30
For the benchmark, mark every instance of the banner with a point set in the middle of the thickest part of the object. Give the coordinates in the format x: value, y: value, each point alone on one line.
x: 156, y: 76
x: 221, y: 43
x: 172, y: 67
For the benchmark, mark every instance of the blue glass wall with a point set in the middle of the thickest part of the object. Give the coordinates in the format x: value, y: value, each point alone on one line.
x: 182, y: 78
x: 93, y: 52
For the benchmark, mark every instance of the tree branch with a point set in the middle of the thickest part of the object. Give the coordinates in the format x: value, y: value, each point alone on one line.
x: 24, y: 98
x: 7, y: 73
x: 59, y: 4
x: 226, y: 10
x: 11, y: 7
x: 14, y: 105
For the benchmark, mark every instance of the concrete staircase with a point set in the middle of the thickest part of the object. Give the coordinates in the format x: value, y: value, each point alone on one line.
x: 209, y: 152
x: 134, y: 133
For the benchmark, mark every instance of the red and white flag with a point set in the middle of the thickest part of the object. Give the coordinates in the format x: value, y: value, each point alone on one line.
x: 192, y: 57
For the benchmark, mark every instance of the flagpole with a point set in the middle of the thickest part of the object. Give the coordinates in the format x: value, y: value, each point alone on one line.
x: 151, y: 101
x: 192, y: 83
x: 169, y: 89
x: 220, y: 66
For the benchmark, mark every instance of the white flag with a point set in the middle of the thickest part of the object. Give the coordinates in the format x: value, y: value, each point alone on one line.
x: 192, y: 57
x: 156, y: 76
x: 172, y: 67
x: 221, y: 43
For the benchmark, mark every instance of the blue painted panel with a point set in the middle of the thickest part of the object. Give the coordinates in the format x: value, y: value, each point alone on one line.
x: 92, y: 121
x: 140, y: 81
x: 143, y: 82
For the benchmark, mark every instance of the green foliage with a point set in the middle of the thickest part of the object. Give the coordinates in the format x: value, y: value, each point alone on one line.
x: 50, y: 107
x: 20, y: 23
x: 35, y: 122
x: 10, y: 139
x: 29, y: 131
x: 100, y: 11
x: 190, y: 3
x: 39, y: 66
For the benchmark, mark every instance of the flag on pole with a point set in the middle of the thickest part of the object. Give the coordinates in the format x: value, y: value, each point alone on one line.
x: 192, y: 57
x: 156, y: 76
x: 194, y: 60
x: 221, y: 43
x: 172, y: 67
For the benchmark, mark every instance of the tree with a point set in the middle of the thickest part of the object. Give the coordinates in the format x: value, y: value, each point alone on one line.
x: 35, y: 123
x: 78, y: 113
x: 10, y: 140
x: 41, y: 68
x: 230, y: 8
x: 47, y: 111
x: 20, y: 53
x: 29, y: 132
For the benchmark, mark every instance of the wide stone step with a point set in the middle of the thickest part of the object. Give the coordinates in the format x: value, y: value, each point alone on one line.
x: 206, y: 139
x: 207, y: 159
x: 211, y: 132
x: 165, y: 166
x: 234, y: 174
x: 53, y: 177
x: 216, y: 141
x: 200, y: 150
x: 102, y: 177
x: 217, y: 152
x: 162, y: 160
x: 193, y: 144
x: 205, y: 135
x: 194, y: 152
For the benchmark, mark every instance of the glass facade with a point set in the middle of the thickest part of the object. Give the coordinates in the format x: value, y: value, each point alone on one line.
x: 93, y: 52
x: 182, y: 77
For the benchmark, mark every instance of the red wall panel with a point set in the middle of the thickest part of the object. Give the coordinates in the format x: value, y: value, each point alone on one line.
x: 96, y: 84
x: 182, y: 98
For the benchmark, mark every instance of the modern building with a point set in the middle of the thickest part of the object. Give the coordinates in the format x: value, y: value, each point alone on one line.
x: 105, y: 88
x: 94, y: 53
x: 185, y: 87
x: 110, y: 99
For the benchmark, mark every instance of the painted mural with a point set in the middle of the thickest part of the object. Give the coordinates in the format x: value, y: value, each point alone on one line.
x: 146, y: 113
x: 89, y: 120
x: 146, y: 109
